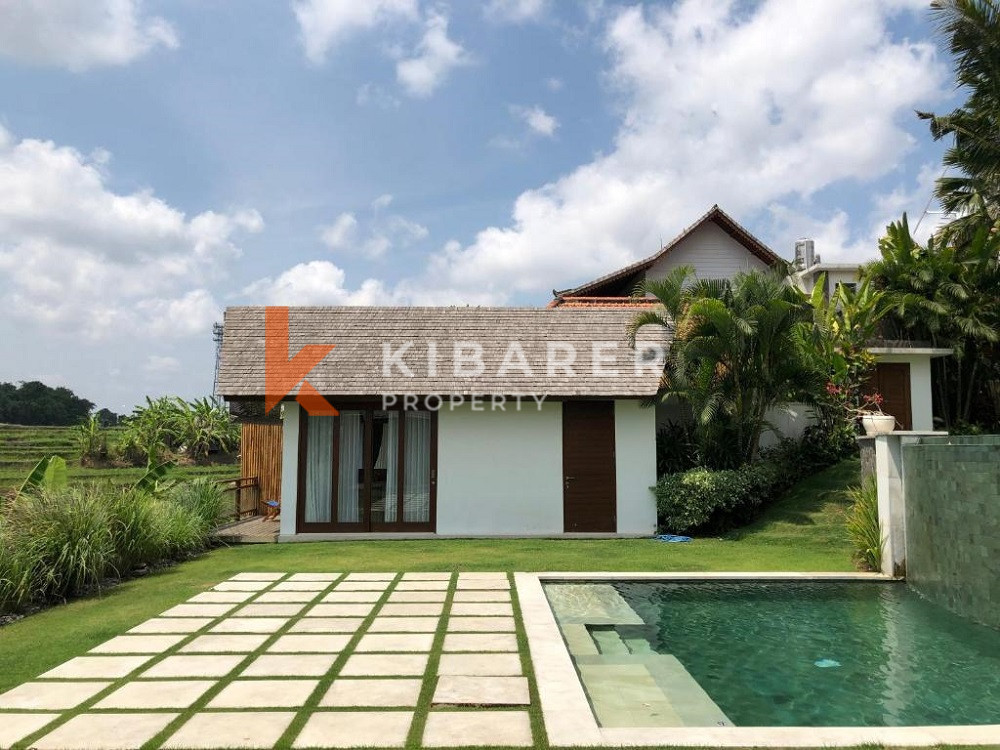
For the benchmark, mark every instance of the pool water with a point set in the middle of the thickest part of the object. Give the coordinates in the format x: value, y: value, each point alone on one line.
x: 779, y: 653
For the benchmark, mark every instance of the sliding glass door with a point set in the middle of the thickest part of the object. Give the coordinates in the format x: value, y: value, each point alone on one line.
x: 367, y: 470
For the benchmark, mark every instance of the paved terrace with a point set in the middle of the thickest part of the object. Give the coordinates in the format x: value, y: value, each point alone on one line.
x: 310, y: 660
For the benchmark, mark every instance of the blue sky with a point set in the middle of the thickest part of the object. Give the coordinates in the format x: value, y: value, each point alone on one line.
x: 161, y: 160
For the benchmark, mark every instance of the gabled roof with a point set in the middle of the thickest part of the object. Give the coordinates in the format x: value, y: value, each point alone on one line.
x: 355, y: 366
x: 715, y: 214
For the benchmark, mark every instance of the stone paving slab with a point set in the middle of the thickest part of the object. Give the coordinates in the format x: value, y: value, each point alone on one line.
x: 220, y: 597
x: 476, y: 595
x: 138, y: 644
x: 156, y: 694
x: 483, y: 728
x: 89, y: 667
x: 250, y: 625
x: 482, y: 575
x: 257, y: 576
x: 412, y: 610
x: 480, y: 642
x: 360, y: 692
x: 479, y: 609
x: 269, y: 610
x: 417, y: 585
x: 199, y: 610
x: 241, y: 586
x: 462, y: 690
x: 362, y: 586
x: 194, y: 665
x: 224, y: 644
x: 15, y: 727
x: 284, y: 597
x: 404, y: 624
x: 171, y: 625
x: 264, y: 694
x: 310, y: 644
x: 480, y: 664
x: 418, y: 596
x: 314, y: 577
x: 340, y: 610
x: 395, y: 642
x: 426, y: 576
x: 290, y: 665
x: 481, y: 624
x: 49, y: 696
x: 350, y: 597
x: 105, y: 732
x: 355, y: 729
x: 326, y: 625
x: 385, y: 665
x: 370, y: 577
x: 207, y: 731
x: 484, y: 584
x: 301, y: 585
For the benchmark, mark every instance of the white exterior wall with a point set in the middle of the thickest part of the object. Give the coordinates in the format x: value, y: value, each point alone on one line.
x: 711, y: 252
x: 921, y: 405
x: 289, y: 467
x: 635, y: 467
x: 500, y: 472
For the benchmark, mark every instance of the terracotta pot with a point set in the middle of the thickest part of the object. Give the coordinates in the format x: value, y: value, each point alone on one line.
x: 878, y: 424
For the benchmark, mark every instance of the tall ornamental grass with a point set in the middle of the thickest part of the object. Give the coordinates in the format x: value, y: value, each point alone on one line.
x: 56, y: 544
x: 863, y: 525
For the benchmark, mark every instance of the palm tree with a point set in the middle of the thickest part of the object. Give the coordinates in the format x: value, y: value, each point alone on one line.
x: 947, y: 293
x: 971, y: 29
x: 735, y: 353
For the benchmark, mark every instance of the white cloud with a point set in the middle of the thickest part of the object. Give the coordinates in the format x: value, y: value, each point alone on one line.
x: 382, y: 233
x: 819, y: 106
x: 515, y: 11
x: 373, y: 94
x: 78, y: 256
x: 318, y: 282
x: 159, y: 365
x: 80, y: 34
x: 537, y: 119
x: 554, y: 84
x: 323, y: 24
x: 341, y: 233
x: 436, y: 56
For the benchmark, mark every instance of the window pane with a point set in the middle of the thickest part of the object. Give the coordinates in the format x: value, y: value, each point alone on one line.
x: 417, y: 467
x: 385, y: 449
x: 319, y: 469
x: 351, y: 482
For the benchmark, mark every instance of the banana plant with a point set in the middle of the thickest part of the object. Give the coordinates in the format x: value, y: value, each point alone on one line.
x: 48, y: 474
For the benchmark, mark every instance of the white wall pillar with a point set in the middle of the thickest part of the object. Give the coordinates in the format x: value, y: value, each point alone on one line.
x: 635, y: 467
x: 289, y: 467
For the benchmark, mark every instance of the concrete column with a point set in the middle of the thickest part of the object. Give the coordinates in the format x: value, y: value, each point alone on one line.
x: 289, y: 468
x: 890, y: 476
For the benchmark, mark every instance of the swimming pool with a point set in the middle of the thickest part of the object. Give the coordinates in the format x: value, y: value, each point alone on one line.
x: 774, y: 653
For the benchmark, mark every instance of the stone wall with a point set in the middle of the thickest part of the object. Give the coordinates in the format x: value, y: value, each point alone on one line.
x: 952, y: 493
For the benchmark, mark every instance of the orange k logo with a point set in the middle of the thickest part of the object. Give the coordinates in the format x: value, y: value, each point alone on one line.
x: 282, y: 374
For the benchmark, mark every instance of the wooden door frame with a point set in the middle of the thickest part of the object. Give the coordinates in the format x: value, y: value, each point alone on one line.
x: 365, y: 525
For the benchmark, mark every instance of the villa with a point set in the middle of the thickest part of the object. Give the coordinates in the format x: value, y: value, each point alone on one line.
x: 470, y: 421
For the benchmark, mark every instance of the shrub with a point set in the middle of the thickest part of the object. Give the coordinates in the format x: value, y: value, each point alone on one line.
x: 863, y: 525
x: 714, y: 501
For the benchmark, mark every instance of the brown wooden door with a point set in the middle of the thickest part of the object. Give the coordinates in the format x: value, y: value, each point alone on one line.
x: 589, y: 495
x: 892, y: 380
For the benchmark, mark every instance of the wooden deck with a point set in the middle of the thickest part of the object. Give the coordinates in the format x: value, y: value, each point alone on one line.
x: 250, y: 531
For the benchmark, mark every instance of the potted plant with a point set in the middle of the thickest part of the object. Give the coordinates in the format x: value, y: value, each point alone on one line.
x: 873, y: 419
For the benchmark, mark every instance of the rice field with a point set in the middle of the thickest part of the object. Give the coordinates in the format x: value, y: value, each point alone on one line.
x: 22, y: 447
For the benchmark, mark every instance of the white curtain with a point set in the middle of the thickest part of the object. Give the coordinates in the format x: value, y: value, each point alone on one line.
x: 319, y: 469
x: 417, y: 467
x: 352, y: 456
x: 387, y: 459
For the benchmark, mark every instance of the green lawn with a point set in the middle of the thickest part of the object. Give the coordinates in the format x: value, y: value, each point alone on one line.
x: 802, y: 532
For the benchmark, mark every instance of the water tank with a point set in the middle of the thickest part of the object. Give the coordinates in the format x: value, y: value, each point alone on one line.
x: 805, y: 253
